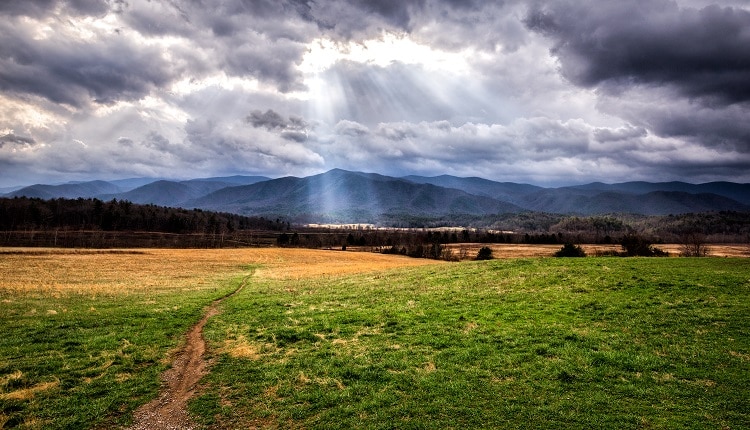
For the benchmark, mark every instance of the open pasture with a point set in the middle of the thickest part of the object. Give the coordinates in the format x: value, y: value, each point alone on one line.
x: 330, y: 339
x: 85, y: 333
x: 517, y: 343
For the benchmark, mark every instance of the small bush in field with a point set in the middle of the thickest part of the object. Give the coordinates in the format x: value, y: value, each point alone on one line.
x: 570, y: 250
x: 485, y: 253
x: 638, y: 246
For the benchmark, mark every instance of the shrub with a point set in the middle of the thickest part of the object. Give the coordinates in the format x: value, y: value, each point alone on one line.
x: 638, y: 246
x: 570, y: 250
x: 485, y: 253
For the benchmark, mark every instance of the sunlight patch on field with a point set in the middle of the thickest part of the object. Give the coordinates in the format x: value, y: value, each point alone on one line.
x: 240, y: 347
x: 57, y: 272
x: 279, y: 263
x: 28, y: 393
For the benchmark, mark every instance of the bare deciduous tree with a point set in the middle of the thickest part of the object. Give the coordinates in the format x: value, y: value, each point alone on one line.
x: 693, y: 245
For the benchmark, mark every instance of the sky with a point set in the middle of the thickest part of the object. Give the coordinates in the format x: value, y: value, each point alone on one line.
x: 550, y: 93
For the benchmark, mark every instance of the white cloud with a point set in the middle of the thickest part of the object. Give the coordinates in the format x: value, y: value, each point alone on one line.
x: 422, y: 86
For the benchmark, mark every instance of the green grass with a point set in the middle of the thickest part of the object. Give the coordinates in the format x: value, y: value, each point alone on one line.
x: 529, y: 343
x: 100, y: 355
x: 532, y: 343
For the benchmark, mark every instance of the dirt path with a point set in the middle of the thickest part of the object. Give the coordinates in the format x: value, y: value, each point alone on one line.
x: 169, y: 410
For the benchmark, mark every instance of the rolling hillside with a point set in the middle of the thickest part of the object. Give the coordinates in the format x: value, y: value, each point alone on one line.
x: 348, y: 197
x: 67, y: 191
x: 344, y: 196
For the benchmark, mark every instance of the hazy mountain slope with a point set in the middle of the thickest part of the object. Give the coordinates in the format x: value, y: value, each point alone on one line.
x: 6, y: 190
x: 505, y: 191
x: 588, y: 202
x: 68, y: 191
x: 232, y: 180
x: 348, y: 196
x: 133, y: 183
x: 738, y: 192
x: 734, y: 191
x: 169, y: 193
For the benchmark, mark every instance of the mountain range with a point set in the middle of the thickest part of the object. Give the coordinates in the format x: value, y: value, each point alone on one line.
x: 344, y: 196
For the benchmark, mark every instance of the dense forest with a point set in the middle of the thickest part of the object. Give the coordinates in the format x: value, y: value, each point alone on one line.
x: 119, y: 223
x: 96, y: 223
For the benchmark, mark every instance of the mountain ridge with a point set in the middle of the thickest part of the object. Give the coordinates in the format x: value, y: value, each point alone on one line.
x: 344, y: 196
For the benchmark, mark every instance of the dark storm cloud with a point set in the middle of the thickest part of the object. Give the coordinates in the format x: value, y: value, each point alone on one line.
x: 272, y: 120
x: 157, y: 141
x: 26, y: 7
x: 38, y: 8
x: 722, y: 128
x: 268, y: 119
x: 160, y: 21
x: 663, y: 113
x: 13, y: 139
x: 344, y: 19
x: 261, y: 39
x: 273, y: 62
x: 90, y: 7
x: 396, y: 12
x: 75, y: 72
x: 125, y: 141
x: 702, y: 52
x: 291, y: 128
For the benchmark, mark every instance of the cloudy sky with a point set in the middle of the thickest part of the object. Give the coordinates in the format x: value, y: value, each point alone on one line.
x: 545, y: 92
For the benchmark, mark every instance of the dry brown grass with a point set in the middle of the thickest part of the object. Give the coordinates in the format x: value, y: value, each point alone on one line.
x: 61, y: 271
x: 279, y: 263
x: 25, y: 393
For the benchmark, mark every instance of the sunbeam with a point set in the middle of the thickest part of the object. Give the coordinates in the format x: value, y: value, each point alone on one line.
x: 394, y: 87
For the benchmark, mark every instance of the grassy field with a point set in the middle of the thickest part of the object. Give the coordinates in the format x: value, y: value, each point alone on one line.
x: 85, y: 334
x: 528, y: 343
x: 326, y: 339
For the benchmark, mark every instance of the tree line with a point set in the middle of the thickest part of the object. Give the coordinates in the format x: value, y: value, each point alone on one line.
x: 119, y: 223
x: 93, y: 223
x: 22, y: 213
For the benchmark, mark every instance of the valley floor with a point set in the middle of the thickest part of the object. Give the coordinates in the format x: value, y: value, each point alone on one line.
x: 332, y: 339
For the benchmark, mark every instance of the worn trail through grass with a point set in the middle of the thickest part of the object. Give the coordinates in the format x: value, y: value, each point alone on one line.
x: 169, y: 410
x: 88, y: 334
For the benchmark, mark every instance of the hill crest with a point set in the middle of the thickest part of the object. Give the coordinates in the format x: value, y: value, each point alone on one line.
x: 344, y: 196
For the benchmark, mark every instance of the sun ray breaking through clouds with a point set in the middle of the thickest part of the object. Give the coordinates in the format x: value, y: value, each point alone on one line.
x: 550, y: 93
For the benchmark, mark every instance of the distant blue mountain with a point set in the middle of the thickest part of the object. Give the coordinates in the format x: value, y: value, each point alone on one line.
x: 132, y: 183
x: 505, y: 191
x: 167, y: 193
x: 233, y: 180
x: 6, y: 190
x: 731, y: 190
x: 340, y: 195
x: 68, y: 191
